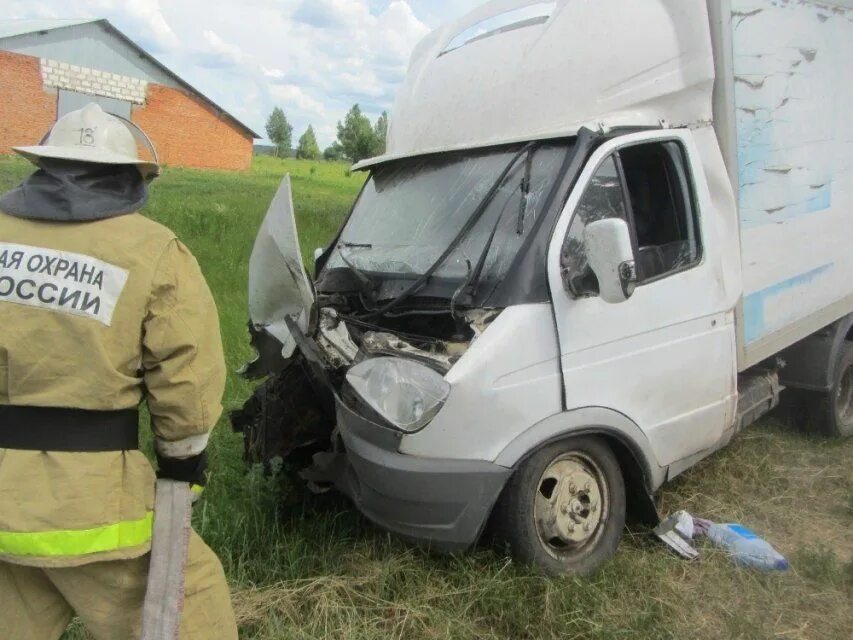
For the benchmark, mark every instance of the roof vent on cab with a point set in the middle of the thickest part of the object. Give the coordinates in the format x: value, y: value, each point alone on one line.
x: 511, y: 20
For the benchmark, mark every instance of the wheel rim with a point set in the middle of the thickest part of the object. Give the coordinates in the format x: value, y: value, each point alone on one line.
x: 844, y: 397
x: 571, y: 504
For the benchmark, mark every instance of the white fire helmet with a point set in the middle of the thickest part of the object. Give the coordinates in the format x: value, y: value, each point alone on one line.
x: 91, y: 135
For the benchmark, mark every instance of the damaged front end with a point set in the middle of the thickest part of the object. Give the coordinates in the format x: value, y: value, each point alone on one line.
x: 291, y: 415
x: 358, y: 362
x: 306, y: 346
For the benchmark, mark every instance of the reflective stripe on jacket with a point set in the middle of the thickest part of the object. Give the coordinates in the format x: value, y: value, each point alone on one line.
x: 76, y: 542
x: 65, y: 509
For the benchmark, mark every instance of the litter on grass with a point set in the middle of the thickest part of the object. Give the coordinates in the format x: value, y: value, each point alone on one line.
x: 744, y: 546
x: 676, y: 532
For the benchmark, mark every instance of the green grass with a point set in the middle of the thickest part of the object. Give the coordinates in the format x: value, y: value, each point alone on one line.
x: 322, y: 571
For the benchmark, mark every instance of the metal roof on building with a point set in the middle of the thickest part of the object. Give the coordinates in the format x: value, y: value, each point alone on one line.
x: 10, y: 28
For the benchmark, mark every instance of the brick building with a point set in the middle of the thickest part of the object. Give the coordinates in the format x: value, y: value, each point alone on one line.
x: 51, y: 67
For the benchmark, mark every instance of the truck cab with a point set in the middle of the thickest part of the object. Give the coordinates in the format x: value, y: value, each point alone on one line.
x: 535, y: 313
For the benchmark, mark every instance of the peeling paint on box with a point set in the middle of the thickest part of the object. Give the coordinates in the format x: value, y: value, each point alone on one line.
x: 785, y: 138
x: 792, y: 93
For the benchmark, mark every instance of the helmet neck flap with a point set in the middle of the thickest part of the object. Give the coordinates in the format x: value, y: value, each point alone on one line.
x: 73, y: 191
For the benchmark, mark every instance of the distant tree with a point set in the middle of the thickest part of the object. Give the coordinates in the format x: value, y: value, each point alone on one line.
x: 380, y: 131
x: 356, y: 135
x: 334, y: 152
x: 264, y: 150
x: 307, y: 149
x: 280, y: 132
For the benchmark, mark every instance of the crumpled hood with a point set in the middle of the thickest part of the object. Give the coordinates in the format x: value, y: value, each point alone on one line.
x: 69, y: 191
x: 279, y: 287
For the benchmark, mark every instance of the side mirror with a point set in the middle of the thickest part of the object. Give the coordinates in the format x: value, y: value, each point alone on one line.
x: 318, y: 252
x: 611, y: 258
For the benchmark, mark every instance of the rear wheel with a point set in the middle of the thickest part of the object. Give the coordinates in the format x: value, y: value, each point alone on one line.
x: 832, y: 413
x: 564, y: 508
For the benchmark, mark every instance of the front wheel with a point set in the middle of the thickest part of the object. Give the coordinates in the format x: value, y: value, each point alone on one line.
x: 564, y: 507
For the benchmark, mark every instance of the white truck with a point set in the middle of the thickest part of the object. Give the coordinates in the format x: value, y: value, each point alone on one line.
x: 604, y: 237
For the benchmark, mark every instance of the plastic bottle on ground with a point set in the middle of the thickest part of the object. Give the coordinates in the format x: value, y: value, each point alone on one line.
x: 745, y: 547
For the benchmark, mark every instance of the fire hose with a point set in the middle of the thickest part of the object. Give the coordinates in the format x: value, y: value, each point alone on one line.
x: 164, y: 593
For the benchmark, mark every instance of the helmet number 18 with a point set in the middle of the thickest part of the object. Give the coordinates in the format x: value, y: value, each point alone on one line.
x: 87, y: 136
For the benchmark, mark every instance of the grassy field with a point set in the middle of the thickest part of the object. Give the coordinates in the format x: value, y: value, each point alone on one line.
x: 324, y: 572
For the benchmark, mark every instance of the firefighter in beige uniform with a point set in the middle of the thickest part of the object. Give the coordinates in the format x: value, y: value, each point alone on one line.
x: 100, y: 308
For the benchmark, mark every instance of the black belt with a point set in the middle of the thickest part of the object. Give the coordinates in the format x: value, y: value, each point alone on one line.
x: 60, y: 429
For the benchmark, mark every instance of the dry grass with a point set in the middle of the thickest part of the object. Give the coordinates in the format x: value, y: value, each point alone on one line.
x: 794, y: 490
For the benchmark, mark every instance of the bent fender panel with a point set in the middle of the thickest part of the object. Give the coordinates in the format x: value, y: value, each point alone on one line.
x: 507, y: 380
x: 589, y: 420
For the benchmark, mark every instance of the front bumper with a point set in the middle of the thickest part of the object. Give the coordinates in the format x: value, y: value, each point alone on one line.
x: 443, y: 503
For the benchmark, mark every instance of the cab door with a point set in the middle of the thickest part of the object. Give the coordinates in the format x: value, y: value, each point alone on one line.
x: 665, y: 357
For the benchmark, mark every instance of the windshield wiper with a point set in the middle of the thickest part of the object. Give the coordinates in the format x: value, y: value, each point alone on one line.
x: 464, y: 231
x: 525, y: 191
x: 473, y: 279
x: 367, y: 286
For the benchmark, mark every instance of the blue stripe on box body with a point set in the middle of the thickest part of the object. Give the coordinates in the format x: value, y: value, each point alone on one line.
x: 753, y: 304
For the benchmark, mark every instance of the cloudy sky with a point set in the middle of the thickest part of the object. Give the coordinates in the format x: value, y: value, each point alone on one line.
x: 314, y: 58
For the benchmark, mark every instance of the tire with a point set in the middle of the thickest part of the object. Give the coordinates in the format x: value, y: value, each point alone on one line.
x: 563, y: 510
x: 832, y: 414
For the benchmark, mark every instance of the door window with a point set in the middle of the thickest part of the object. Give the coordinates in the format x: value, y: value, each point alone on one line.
x: 647, y: 185
x: 662, y: 211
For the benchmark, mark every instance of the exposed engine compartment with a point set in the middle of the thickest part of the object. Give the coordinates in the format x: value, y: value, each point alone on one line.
x: 291, y: 414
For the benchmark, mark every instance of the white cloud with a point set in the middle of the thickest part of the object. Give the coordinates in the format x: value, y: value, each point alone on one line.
x: 271, y: 72
x: 227, y: 50
x: 289, y: 94
x: 150, y: 14
x: 314, y: 58
x: 33, y: 10
x: 399, y: 26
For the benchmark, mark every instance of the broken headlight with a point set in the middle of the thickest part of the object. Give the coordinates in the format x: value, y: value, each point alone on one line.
x: 404, y: 392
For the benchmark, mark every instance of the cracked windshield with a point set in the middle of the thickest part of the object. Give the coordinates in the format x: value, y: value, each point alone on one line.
x: 411, y: 210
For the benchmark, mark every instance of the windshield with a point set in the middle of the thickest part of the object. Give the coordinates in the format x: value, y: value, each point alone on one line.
x: 410, y: 210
